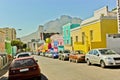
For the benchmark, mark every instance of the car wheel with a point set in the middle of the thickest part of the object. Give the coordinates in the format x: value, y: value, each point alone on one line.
x: 88, y: 62
x: 102, y: 64
x: 70, y: 60
x: 59, y: 58
x: 76, y: 61
x: 63, y: 58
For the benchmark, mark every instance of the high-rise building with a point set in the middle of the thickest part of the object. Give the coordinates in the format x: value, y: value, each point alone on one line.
x: 2, y: 41
x: 10, y: 33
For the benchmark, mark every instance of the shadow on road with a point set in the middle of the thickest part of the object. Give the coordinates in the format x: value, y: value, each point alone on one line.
x: 4, y: 70
x: 108, y: 67
x: 43, y: 77
x: 3, y: 78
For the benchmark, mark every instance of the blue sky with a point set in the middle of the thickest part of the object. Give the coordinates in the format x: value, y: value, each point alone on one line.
x: 29, y: 14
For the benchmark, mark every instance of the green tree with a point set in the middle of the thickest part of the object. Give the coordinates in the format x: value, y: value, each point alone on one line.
x: 17, y: 43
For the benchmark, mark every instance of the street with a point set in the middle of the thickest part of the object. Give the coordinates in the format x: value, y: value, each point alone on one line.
x: 54, y: 69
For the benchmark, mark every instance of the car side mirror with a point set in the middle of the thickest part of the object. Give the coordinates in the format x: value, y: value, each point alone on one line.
x: 97, y: 54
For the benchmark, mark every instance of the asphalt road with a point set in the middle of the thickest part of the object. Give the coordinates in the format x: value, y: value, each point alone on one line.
x: 54, y: 69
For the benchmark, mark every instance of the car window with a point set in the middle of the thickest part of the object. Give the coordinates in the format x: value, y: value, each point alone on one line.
x: 79, y: 52
x: 91, y: 52
x: 67, y: 51
x: 107, y: 52
x: 23, y: 63
x: 23, y: 55
x: 96, y: 52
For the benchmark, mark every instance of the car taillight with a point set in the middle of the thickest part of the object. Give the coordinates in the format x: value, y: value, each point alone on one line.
x: 13, y: 71
x: 34, y: 67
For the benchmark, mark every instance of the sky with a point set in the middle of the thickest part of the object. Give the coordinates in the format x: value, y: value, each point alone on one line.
x: 27, y: 15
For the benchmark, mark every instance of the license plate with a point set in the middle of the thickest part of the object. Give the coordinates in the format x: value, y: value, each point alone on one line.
x: 24, y: 70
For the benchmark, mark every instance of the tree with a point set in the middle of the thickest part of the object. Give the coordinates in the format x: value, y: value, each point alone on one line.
x: 17, y: 43
x: 24, y: 47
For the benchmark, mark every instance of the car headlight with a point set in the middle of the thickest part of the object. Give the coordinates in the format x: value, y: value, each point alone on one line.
x: 109, y: 58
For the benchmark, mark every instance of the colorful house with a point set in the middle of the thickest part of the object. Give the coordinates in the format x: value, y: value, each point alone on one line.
x: 92, y: 32
x: 67, y: 35
x: 57, y: 42
x: 2, y: 41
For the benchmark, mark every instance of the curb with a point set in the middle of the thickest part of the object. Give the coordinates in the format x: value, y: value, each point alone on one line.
x: 8, y: 63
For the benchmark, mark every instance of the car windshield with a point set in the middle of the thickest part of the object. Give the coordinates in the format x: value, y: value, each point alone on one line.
x: 79, y: 52
x: 66, y: 51
x: 23, y: 63
x: 107, y: 52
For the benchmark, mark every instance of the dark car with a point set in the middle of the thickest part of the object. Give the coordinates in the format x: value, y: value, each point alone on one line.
x: 55, y: 55
x: 24, y: 68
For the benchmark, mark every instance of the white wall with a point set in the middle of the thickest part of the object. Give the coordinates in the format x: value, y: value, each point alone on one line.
x: 114, y: 43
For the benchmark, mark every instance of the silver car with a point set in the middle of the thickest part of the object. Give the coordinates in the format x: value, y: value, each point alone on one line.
x: 103, y: 56
x: 64, y: 55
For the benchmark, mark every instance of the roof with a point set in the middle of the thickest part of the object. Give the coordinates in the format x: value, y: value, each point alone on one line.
x: 29, y: 57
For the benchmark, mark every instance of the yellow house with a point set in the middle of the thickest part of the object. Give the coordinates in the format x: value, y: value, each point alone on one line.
x: 92, y: 32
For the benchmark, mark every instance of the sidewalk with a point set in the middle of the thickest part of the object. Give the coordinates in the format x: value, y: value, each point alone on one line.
x: 4, y: 69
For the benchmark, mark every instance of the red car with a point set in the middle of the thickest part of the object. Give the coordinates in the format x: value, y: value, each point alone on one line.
x: 24, y: 68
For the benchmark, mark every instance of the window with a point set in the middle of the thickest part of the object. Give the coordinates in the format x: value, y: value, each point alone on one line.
x: 96, y: 52
x: 83, y: 39
x: 66, y: 32
x: 91, y: 35
x: 71, y: 41
x: 76, y: 38
x: 67, y: 41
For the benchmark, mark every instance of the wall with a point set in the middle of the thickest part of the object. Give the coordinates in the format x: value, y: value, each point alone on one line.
x: 112, y: 41
x: 2, y: 41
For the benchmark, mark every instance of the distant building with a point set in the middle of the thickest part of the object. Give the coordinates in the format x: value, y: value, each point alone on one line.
x: 118, y: 15
x: 67, y: 35
x: 10, y: 33
x: 2, y: 41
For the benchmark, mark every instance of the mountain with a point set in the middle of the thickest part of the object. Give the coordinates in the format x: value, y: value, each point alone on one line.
x: 52, y: 26
x: 56, y: 25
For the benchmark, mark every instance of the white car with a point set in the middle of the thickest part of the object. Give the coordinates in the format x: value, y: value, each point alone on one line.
x: 103, y: 56
x: 23, y: 54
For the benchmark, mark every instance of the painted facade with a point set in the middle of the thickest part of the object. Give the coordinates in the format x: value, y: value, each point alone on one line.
x: 57, y: 42
x: 2, y: 41
x: 67, y: 35
x: 92, y: 32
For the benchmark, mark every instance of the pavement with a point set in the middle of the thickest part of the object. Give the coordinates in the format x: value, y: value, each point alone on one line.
x: 4, y: 69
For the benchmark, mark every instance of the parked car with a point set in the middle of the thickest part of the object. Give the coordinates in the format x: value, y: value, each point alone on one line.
x: 24, y: 68
x: 103, y: 56
x: 23, y: 54
x: 55, y: 55
x: 64, y: 55
x: 77, y: 56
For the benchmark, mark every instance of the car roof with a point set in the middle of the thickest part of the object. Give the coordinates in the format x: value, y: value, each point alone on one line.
x: 100, y: 48
x: 21, y: 58
x: 24, y: 53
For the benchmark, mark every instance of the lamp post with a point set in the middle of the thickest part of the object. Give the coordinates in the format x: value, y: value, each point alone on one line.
x: 19, y: 31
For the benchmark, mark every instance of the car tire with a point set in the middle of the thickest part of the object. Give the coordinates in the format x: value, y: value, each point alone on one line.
x: 76, y: 61
x: 102, y: 64
x: 88, y: 62
x: 59, y: 58
x: 63, y: 58
x: 70, y: 60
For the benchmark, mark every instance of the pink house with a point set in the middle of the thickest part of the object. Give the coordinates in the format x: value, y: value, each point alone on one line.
x: 56, y: 41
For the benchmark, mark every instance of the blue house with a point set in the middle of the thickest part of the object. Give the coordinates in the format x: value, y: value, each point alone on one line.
x: 66, y: 34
